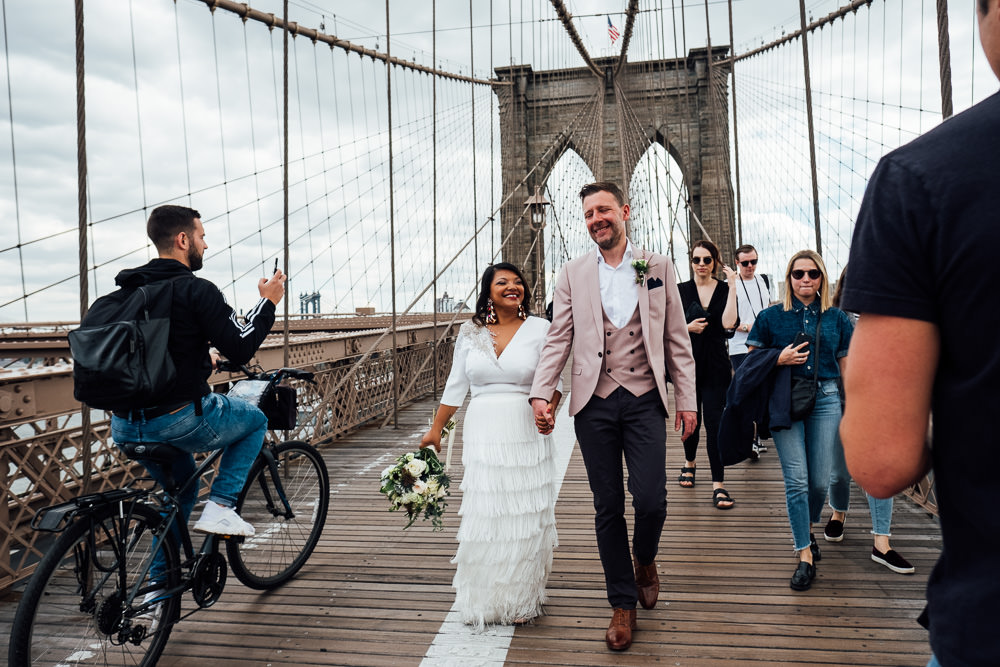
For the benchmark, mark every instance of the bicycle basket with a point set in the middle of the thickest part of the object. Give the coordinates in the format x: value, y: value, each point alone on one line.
x: 277, y: 402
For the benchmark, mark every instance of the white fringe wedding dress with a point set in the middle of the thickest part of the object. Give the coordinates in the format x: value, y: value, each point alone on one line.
x: 507, y: 532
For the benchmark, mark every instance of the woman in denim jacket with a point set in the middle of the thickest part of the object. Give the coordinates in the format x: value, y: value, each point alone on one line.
x: 806, y: 449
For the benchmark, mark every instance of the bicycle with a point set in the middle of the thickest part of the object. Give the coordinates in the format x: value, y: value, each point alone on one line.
x: 91, y: 596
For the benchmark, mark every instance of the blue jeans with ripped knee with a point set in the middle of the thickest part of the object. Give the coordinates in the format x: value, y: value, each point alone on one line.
x: 806, y: 452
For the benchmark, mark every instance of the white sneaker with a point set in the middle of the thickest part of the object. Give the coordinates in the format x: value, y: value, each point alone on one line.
x: 220, y: 520
x: 154, y: 613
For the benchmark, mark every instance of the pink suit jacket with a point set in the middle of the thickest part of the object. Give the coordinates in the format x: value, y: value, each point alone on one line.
x: 578, y: 323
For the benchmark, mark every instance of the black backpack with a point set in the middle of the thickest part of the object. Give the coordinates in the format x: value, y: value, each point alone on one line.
x: 120, y: 358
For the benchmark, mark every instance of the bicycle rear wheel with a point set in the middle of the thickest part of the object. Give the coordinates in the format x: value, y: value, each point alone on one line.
x: 75, y: 608
x: 281, y: 544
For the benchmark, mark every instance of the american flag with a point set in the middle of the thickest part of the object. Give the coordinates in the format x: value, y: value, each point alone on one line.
x: 612, y: 31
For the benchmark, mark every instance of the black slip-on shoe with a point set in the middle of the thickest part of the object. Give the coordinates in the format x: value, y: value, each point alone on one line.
x: 834, y: 531
x: 893, y: 561
x: 802, y: 580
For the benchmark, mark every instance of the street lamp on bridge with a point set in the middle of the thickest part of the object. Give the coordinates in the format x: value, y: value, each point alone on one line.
x: 535, y: 206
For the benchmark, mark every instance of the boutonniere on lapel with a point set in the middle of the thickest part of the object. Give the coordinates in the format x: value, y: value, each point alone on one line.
x: 641, y: 267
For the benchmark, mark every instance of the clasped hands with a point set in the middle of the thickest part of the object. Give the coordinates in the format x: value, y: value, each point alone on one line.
x: 545, y: 421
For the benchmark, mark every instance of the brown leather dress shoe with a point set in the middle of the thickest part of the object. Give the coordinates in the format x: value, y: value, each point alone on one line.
x: 619, y: 636
x: 648, y: 581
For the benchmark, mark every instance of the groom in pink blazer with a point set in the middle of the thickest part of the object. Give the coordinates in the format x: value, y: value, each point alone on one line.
x: 619, y: 310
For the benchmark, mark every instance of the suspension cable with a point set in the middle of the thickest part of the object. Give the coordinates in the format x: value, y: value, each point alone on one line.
x: 246, y: 12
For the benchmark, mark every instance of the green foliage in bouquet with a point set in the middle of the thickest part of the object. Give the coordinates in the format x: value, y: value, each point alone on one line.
x: 418, y: 484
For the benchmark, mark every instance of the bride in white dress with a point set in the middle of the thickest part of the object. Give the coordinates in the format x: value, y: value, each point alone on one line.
x: 507, y: 530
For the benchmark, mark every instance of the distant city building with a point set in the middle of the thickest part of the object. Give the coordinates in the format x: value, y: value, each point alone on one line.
x: 447, y: 304
x: 307, y: 300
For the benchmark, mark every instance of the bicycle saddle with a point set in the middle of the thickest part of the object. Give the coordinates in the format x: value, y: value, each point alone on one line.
x: 157, y: 452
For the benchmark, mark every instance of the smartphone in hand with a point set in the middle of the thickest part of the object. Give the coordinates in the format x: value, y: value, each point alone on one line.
x: 802, y: 337
x: 275, y: 265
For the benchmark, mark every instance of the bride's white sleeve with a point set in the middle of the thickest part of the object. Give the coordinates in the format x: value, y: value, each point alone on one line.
x: 457, y: 385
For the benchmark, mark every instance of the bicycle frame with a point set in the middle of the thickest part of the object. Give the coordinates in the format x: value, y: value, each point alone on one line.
x: 116, y: 576
x: 169, y: 509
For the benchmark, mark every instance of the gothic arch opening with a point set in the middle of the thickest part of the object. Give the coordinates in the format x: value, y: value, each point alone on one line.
x: 565, y: 234
x: 661, y: 216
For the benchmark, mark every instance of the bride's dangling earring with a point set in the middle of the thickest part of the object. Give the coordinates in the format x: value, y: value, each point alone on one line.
x: 521, y: 312
x: 491, y: 313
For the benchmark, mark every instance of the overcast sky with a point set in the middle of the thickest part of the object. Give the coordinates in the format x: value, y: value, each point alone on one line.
x: 183, y: 106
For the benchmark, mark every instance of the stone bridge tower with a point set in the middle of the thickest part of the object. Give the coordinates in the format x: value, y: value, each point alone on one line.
x: 682, y: 104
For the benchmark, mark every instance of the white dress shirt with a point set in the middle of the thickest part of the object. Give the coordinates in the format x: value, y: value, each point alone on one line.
x: 752, y: 296
x: 619, y: 291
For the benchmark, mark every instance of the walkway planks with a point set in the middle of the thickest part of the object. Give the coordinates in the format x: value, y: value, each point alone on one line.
x: 374, y: 595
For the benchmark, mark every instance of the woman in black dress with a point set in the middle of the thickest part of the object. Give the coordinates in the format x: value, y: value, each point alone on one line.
x: 711, y: 312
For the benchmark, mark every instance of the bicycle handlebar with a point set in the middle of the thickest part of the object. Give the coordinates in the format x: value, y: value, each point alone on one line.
x: 275, y: 376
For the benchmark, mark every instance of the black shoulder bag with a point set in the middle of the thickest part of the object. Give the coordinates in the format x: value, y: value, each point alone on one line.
x: 804, y: 388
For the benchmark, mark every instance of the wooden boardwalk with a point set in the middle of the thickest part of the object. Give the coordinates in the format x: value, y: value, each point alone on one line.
x: 373, y: 594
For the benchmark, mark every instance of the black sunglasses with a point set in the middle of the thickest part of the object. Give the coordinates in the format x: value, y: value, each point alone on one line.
x: 813, y: 273
x: 748, y: 262
x: 701, y: 260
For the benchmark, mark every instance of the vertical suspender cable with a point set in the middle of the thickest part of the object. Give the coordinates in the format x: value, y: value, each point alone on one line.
x: 713, y: 114
x: 972, y: 69
x: 492, y: 154
x: 284, y: 167
x: 944, y: 58
x: 138, y: 114
x: 180, y: 87
x: 809, y: 119
x: 736, y: 135
x: 13, y: 159
x: 81, y: 199
x: 392, y: 225
x: 472, y: 90
x: 434, y: 187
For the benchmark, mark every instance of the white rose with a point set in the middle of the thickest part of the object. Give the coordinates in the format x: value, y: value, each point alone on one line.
x: 432, y: 485
x: 411, y: 499
x: 416, y: 467
x: 409, y: 457
x: 420, y: 487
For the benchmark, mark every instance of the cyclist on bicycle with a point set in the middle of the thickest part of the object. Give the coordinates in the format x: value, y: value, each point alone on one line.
x: 189, y: 416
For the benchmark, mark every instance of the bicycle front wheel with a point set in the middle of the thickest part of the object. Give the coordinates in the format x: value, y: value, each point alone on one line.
x: 283, y: 540
x: 83, y: 605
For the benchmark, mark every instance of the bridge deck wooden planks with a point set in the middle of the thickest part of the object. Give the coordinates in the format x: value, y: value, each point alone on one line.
x: 375, y: 595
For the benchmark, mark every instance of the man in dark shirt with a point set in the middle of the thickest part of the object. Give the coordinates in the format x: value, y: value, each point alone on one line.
x: 919, y: 274
x: 189, y: 416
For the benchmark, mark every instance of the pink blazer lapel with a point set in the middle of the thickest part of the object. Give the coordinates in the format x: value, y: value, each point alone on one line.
x: 592, y: 280
x: 644, y: 295
x: 652, y: 322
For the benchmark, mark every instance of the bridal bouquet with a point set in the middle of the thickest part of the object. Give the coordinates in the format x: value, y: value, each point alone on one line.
x: 418, y: 484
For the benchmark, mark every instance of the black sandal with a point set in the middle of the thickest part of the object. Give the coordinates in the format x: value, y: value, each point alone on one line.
x: 722, y: 496
x: 687, y: 475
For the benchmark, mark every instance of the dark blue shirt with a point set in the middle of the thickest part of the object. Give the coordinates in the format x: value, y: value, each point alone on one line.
x: 776, y: 327
x: 924, y: 247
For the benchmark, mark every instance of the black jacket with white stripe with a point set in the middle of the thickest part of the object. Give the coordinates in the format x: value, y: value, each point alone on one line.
x: 200, y: 318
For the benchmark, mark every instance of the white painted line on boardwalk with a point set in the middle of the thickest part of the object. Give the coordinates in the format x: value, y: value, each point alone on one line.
x: 455, y: 644
x: 379, y: 462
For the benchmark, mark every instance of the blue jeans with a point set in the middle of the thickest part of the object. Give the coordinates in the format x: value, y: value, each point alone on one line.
x: 805, y: 451
x: 226, y: 423
x: 840, y: 493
